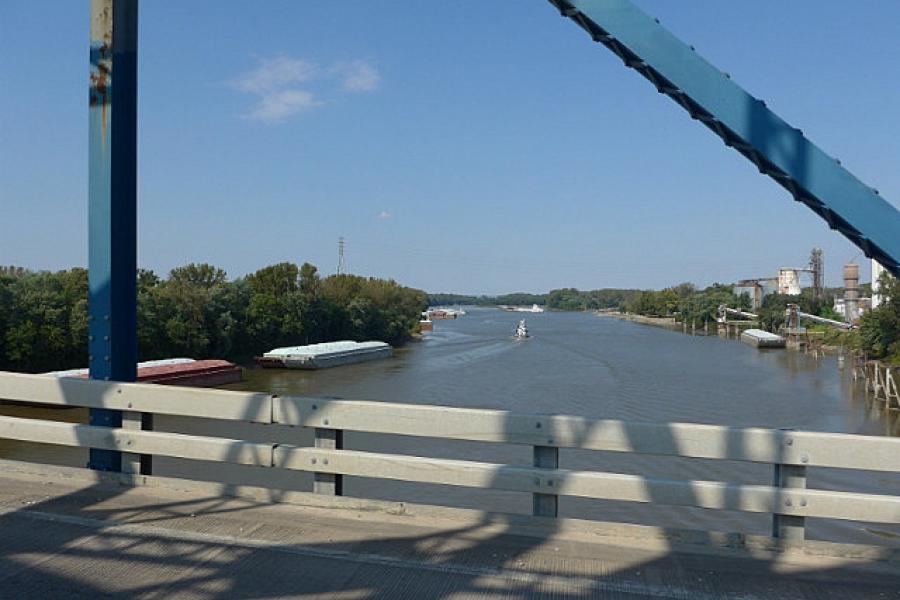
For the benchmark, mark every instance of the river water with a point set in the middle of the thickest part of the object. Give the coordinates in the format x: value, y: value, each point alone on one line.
x: 575, y: 363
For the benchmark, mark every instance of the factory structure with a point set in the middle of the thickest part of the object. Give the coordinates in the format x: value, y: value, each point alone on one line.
x: 877, y: 272
x: 851, y: 306
x: 789, y: 279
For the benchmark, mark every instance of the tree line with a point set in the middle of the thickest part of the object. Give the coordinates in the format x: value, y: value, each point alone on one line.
x: 515, y: 298
x: 197, y: 311
x: 686, y: 302
x: 569, y: 299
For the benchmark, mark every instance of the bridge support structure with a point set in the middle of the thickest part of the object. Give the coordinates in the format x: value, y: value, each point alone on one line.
x: 112, y: 213
x: 744, y: 123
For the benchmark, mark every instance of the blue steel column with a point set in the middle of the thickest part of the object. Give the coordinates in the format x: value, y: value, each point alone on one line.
x: 744, y: 123
x: 112, y: 213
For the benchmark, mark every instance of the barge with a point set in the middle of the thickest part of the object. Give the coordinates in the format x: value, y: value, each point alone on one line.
x: 762, y: 339
x: 176, y: 371
x: 522, y: 309
x: 324, y: 356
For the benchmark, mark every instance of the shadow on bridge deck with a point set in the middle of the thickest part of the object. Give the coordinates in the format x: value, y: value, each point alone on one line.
x: 71, y: 533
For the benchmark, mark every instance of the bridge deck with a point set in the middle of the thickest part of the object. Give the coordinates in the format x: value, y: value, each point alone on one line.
x: 66, y: 533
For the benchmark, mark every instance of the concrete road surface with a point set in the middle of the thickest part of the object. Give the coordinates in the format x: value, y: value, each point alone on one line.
x: 65, y: 533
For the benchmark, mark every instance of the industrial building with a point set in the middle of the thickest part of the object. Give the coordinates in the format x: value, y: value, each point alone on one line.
x: 877, y: 272
x: 786, y: 283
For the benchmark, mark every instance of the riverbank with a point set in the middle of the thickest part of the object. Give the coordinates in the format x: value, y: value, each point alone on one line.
x: 664, y: 322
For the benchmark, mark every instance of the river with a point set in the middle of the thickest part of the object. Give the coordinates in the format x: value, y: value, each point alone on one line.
x: 574, y: 363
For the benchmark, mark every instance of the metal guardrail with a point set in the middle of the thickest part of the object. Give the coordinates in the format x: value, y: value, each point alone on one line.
x: 790, y: 452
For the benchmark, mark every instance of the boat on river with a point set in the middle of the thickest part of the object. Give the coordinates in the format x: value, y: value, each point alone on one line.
x: 762, y: 339
x: 176, y: 371
x: 523, y: 309
x: 521, y: 331
x: 444, y: 313
x: 325, y: 355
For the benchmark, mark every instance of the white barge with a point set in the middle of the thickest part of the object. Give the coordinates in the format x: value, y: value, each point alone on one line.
x: 323, y: 356
x: 762, y: 339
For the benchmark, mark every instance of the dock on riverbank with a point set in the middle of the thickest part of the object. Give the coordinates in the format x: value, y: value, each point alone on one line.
x: 879, y: 380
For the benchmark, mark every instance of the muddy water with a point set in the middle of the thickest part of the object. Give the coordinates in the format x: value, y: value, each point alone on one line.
x: 574, y: 364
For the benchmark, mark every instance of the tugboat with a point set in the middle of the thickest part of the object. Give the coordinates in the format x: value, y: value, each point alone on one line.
x: 521, y: 331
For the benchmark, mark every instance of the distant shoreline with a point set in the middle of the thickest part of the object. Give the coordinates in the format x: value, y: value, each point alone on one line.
x: 665, y: 322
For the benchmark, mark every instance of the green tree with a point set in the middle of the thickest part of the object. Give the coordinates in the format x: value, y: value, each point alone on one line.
x: 879, y: 330
x: 46, y: 327
x: 196, y: 311
x: 276, y: 280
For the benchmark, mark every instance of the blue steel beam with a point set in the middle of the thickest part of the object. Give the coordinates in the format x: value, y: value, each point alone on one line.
x: 112, y: 213
x: 744, y: 123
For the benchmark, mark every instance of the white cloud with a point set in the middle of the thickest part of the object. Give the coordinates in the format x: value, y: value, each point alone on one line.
x: 286, y: 86
x: 275, y: 106
x: 274, y: 74
x: 384, y: 215
x: 359, y: 76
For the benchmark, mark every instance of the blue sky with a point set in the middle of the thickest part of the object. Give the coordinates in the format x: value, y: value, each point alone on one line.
x: 461, y: 146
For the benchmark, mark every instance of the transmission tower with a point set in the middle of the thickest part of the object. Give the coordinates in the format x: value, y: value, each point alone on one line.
x: 341, y: 264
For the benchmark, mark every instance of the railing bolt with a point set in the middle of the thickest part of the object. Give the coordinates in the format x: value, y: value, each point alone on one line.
x: 325, y: 422
x: 313, y: 461
x: 789, y: 442
x: 804, y: 458
x: 538, y: 425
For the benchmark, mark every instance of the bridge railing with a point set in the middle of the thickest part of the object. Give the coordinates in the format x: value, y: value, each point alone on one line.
x: 789, y: 452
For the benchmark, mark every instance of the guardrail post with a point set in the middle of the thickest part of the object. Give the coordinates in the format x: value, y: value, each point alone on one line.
x: 545, y: 505
x: 137, y: 464
x: 789, y: 527
x: 329, y: 483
